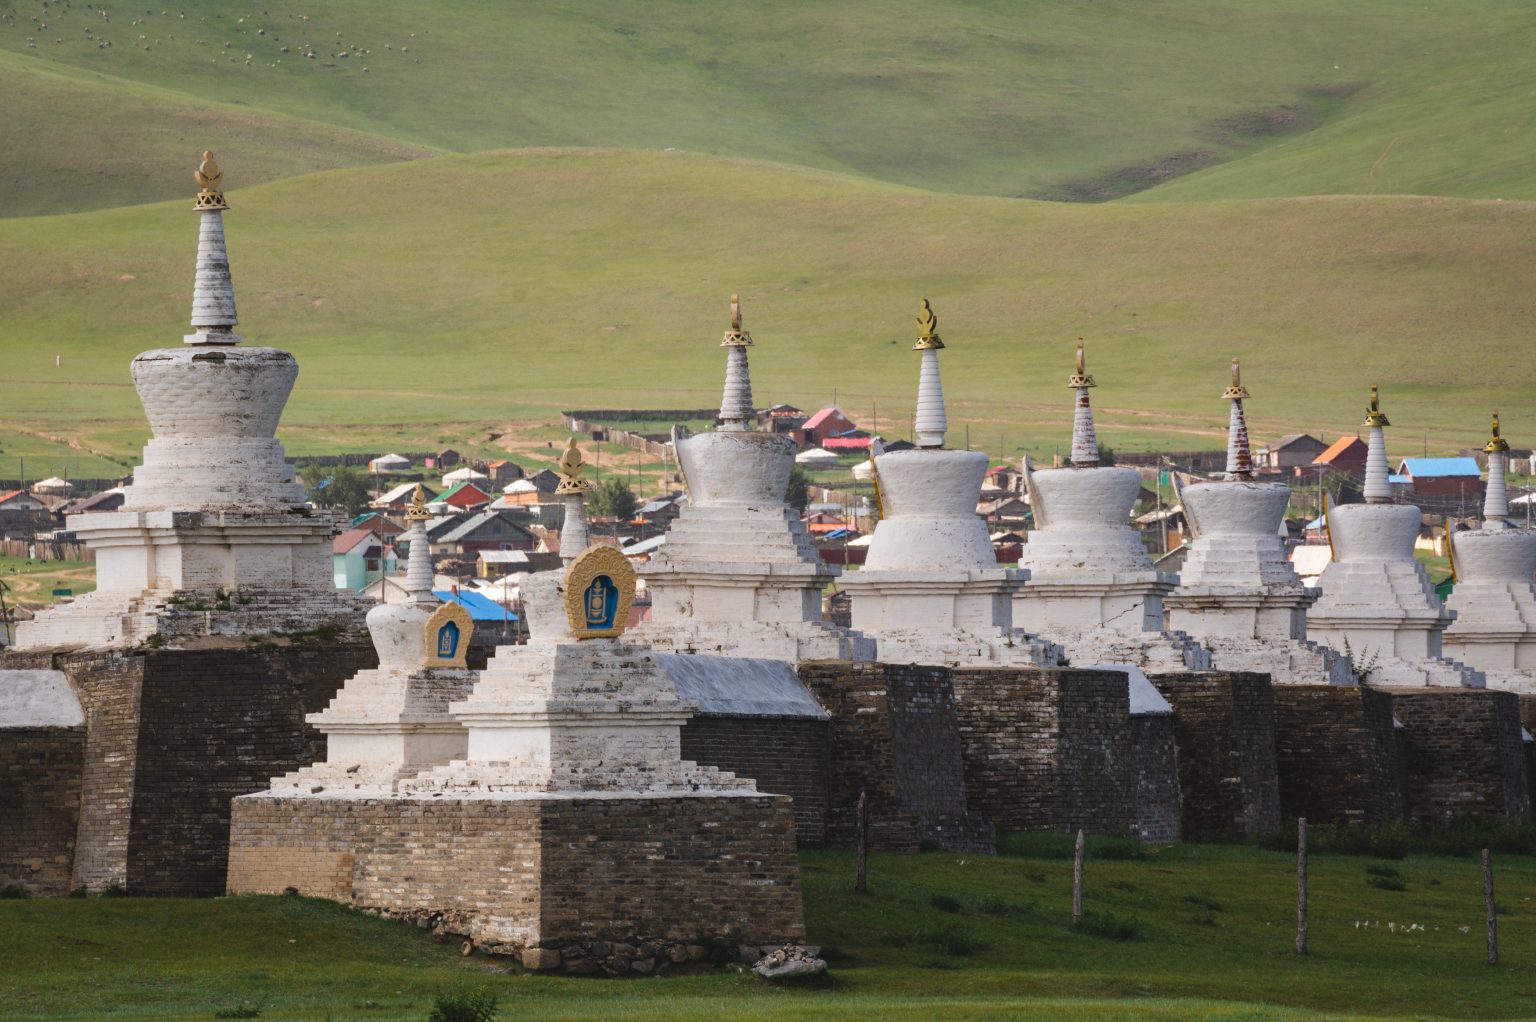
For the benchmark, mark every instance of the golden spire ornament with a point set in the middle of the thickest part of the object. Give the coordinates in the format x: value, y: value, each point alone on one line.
x: 927, y: 329
x: 1374, y: 416
x: 1236, y: 392
x: 1497, y: 445
x: 570, y: 468
x: 418, y: 510
x: 736, y: 337
x: 210, y: 179
x: 1080, y: 377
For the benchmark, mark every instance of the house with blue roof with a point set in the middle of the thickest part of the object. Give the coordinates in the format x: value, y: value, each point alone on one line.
x: 1457, y: 477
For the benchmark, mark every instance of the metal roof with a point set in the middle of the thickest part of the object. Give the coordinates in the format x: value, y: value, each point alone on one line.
x: 1433, y: 468
x: 480, y: 608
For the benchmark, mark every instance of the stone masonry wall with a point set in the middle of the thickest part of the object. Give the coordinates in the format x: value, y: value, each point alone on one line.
x: 1225, y: 728
x: 1048, y: 749
x: 514, y: 873
x: 170, y: 737
x: 1462, y: 753
x: 783, y: 755
x: 39, y: 806
x: 1336, y: 752
x: 895, y: 735
x: 1159, y: 804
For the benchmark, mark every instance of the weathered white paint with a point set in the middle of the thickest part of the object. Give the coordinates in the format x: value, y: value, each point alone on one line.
x: 38, y: 698
x: 1495, y: 604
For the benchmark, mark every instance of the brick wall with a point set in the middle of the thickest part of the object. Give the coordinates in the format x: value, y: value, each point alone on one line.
x: 1048, y: 749
x: 1225, y: 728
x: 541, y: 871
x: 39, y: 806
x: 895, y: 735
x: 1159, y: 804
x: 1336, y: 753
x: 1462, y: 753
x: 170, y: 737
x: 784, y: 755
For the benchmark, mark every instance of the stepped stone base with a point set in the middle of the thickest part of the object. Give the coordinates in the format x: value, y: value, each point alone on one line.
x: 1286, y: 661
x: 517, y: 872
x: 1336, y: 748
x: 960, y: 648
x: 792, y: 642
x: 1152, y: 652
x: 1225, y: 727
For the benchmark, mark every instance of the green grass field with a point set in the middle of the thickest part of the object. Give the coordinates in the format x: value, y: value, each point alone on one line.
x: 1216, y: 928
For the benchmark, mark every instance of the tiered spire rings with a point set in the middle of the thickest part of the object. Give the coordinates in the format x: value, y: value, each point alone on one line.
x: 1496, y: 499
x: 931, y: 421
x: 1378, y: 488
x: 736, y: 411
x: 213, y: 292
x: 572, y: 490
x: 1239, y: 453
x: 1085, y: 442
x: 418, y: 565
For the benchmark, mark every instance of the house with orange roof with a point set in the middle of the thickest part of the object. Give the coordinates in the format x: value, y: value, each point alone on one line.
x: 1346, y: 454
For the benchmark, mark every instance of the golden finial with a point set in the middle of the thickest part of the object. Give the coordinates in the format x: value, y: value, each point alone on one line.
x: 1080, y: 378
x: 1237, y: 391
x: 210, y: 179
x: 570, y: 468
x: 1374, y: 416
x: 736, y: 337
x: 1498, y: 445
x: 418, y: 511
x: 927, y: 329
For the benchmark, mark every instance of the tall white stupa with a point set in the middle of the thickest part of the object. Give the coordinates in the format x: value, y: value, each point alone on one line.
x: 931, y: 591
x: 738, y: 574
x: 214, y: 535
x: 1493, y: 597
x: 1377, y: 604
x: 1092, y: 587
x: 1238, y: 594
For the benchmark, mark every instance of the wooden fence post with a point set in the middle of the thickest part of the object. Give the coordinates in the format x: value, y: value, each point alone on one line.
x: 1301, y: 886
x: 1077, y: 880
x: 861, y: 845
x: 1492, y: 909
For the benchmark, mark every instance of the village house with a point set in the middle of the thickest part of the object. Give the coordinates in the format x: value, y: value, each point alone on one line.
x: 464, y: 496
x: 384, y: 464
x: 781, y: 418
x: 1296, y: 450
x: 1346, y: 454
x: 22, y: 515
x: 501, y: 471
x: 660, y: 513
x: 1452, y: 481
x: 360, y: 556
x: 829, y: 422
x: 399, y: 498
x: 487, y: 530
x: 445, y: 458
x: 494, y: 564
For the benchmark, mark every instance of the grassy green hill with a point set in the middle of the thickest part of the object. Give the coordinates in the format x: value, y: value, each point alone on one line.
x: 76, y: 140
x: 496, y: 288
x: 1454, y: 121
x: 1038, y: 98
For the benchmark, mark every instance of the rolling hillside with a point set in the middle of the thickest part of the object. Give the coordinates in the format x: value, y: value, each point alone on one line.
x: 502, y: 286
x: 1025, y: 99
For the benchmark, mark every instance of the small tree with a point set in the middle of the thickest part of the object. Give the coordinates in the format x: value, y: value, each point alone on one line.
x: 799, y: 493
x: 613, y: 497
x: 343, y: 487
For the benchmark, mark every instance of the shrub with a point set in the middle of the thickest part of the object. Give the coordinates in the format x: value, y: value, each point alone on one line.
x: 957, y: 944
x: 1108, y: 926
x: 241, y: 1010
x: 1383, y: 871
x: 1040, y: 844
x: 114, y: 891
x: 1205, y: 901
x: 474, y: 1007
x: 944, y: 903
x: 14, y: 891
x: 992, y: 905
x: 1386, y: 883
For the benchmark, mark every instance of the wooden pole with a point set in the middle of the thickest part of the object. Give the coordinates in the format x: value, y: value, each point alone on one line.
x: 1301, y: 886
x: 861, y: 838
x: 1492, y: 909
x: 1077, y: 879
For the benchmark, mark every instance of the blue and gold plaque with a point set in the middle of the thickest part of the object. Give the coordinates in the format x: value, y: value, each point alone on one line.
x: 599, y: 587
x: 445, y: 637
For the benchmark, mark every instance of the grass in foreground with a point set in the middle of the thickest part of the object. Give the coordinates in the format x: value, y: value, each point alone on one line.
x: 1194, y: 932
x: 32, y: 580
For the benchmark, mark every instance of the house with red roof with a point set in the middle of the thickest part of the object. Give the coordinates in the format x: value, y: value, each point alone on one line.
x: 829, y: 422
x: 1346, y: 454
x: 466, y: 495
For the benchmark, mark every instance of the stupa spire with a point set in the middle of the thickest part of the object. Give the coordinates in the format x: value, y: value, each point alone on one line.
x: 1378, y: 489
x: 931, y: 422
x: 1085, y: 443
x: 736, y: 411
x: 213, y: 292
x: 1239, y: 453
x: 572, y: 492
x: 1496, y: 499
x: 418, y: 565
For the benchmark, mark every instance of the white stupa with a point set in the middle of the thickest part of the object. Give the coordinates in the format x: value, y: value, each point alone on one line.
x: 214, y: 535
x: 392, y: 722
x: 1238, y: 594
x: 931, y: 591
x: 1493, y: 598
x: 738, y: 574
x: 1092, y: 587
x: 1377, y: 604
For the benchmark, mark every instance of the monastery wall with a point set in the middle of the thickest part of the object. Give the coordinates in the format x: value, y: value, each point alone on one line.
x: 40, y: 804
x: 1225, y: 729
x: 1159, y: 802
x: 1336, y: 751
x: 1048, y: 749
x: 895, y: 735
x: 783, y: 755
x: 1462, y: 753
